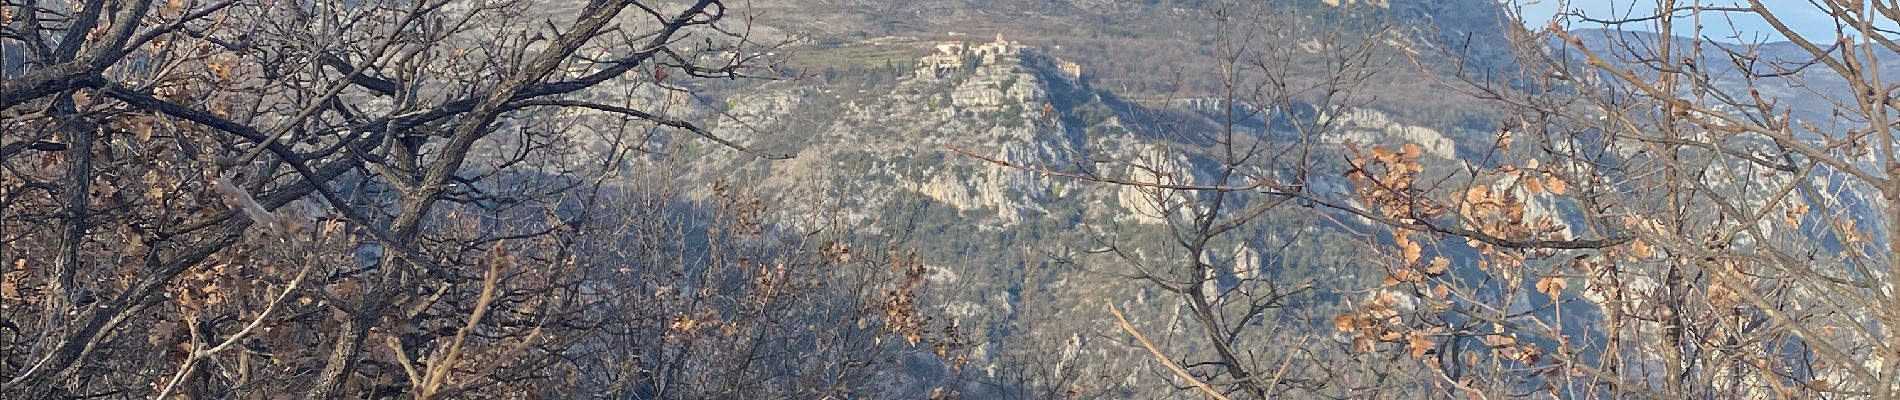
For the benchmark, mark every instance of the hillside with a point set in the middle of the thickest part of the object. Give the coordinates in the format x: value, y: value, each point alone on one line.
x: 1030, y: 199
x: 1012, y: 251
x: 893, y: 123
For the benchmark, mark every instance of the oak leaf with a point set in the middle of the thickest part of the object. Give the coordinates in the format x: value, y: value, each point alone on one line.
x: 1552, y: 285
x: 1640, y: 250
x: 1419, y: 344
x: 1555, y: 185
x: 1346, y: 322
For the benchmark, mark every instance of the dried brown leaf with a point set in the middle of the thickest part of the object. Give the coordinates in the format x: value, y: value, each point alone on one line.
x: 1640, y: 249
x: 1411, y: 251
x: 1346, y: 322
x: 1438, y: 266
x: 1552, y: 285
x: 1383, y: 154
x: 1419, y: 344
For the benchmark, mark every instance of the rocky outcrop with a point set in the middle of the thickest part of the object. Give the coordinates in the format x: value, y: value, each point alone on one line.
x: 994, y: 85
x: 1373, y: 126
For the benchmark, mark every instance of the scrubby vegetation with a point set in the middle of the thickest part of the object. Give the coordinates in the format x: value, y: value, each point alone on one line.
x: 1147, y: 199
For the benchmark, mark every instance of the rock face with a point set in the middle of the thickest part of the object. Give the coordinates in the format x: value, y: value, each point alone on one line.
x: 883, y: 159
x: 864, y: 152
x: 1373, y: 126
x: 989, y: 99
x: 996, y: 85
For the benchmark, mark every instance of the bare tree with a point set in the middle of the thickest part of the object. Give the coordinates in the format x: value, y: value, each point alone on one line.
x: 1654, y: 217
x: 1756, y: 184
x: 364, y: 199
x: 1228, y: 323
x: 1680, y: 217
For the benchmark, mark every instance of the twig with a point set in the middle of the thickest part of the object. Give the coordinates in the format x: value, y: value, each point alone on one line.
x: 200, y: 354
x: 439, y: 370
x: 1178, y: 371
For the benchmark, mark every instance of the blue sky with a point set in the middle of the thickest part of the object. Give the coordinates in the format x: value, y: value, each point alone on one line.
x: 1801, y: 15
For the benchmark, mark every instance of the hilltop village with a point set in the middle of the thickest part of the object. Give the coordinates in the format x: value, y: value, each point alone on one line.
x: 952, y: 56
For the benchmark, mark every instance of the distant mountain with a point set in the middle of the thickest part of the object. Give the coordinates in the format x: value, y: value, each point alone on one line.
x: 1796, y: 81
x: 1164, y: 48
x: 1782, y: 73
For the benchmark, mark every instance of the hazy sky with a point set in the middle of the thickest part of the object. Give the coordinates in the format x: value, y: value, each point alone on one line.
x: 1801, y: 15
